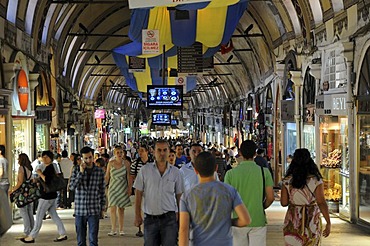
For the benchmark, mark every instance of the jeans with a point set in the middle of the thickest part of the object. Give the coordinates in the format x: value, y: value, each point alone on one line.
x: 81, y: 228
x: 43, y: 207
x: 5, y: 186
x: 27, y: 216
x: 160, y: 230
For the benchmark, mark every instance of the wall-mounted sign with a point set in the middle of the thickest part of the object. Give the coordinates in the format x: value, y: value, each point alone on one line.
x: 287, y: 110
x: 99, y: 114
x: 150, y: 41
x: 23, y: 90
x: 331, y: 104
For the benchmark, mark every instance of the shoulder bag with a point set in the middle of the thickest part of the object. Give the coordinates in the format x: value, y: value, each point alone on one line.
x: 27, y: 193
x: 57, y: 183
x: 263, y: 191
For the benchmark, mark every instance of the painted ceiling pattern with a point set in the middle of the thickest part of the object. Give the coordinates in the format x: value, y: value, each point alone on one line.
x: 90, y: 41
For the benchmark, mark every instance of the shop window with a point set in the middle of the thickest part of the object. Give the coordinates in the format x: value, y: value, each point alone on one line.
x: 364, y: 174
x: 335, y: 162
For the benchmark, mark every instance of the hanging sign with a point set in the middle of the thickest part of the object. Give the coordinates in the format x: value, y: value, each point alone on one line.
x: 136, y: 64
x: 190, y: 59
x: 133, y: 4
x: 150, y: 41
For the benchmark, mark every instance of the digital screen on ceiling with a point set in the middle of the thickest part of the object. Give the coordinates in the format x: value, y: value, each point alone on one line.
x: 165, y: 96
x: 161, y: 119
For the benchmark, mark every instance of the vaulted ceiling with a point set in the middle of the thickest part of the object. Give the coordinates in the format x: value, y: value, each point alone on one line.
x: 82, y: 33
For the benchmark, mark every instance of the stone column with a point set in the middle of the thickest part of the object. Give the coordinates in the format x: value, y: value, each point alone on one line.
x: 316, y: 72
x: 9, y: 72
x: 352, y: 134
x: 297, y: 79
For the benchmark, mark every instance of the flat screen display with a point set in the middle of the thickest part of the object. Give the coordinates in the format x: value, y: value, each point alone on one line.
x: 162, y: 119
x: 174, y: 122
x: 165, y: 96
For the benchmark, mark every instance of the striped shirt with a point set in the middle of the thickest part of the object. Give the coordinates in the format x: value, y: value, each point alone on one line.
x: 89, y: 191
x: 137, y: 164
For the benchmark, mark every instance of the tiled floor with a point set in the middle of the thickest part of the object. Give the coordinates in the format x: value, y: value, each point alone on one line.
x: 343, y: 233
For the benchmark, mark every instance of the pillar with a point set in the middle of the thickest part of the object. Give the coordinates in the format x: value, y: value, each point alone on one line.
x: 297, y: 79
x: 9, y: 69
x: 352, y: 148
x: 316, y: 72
x: 33, y: 80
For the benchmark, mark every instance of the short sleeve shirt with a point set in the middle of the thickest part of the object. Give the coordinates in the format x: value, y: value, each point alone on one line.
x: 4, y: 166
x: 159, y: 191
x: 209, y: 206
x: 246, y: 178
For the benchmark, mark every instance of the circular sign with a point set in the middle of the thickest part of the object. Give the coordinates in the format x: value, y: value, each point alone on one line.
x: 23, y: 90
x: 150, y: 34
x: 180, y: 81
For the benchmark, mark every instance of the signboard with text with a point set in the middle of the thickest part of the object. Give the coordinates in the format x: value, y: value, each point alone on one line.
x: 150, y: 41
x: 134, y: 4
x: 190, y: 59
x: 136, y: 64
x: 331, y: 104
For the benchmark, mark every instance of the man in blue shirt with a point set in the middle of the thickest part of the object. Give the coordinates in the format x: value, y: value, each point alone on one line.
x: 207, y: 208
x: 87, y: 181
x: 180, y: 157
x: 159, y: 183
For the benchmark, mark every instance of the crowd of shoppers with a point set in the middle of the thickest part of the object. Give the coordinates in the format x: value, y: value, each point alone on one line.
x: 207, y: 179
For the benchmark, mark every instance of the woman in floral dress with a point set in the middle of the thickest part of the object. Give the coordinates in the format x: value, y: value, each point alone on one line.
x: 303, y: 193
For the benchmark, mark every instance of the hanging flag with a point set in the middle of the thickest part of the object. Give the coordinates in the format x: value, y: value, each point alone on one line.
x: 133, y: 4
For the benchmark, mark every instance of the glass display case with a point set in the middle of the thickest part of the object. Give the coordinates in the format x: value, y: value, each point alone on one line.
x: 335, y: 162
x: 309, y: 139
x: 41, y: 137
x: 290, y: 142
x: 364, y: 168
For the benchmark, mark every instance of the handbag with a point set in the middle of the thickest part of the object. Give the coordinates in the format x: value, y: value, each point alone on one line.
x: 57, y: 183
x: 27, y: 193
x: 6, y: 219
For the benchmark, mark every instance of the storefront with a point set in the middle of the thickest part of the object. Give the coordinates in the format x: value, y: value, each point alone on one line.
x: 334, y: 151
x: 363, y: 127
x: 290, y: 131
x: 309, y: 93
x: 43, y: 113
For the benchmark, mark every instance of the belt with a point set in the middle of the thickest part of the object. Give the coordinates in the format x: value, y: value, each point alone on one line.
x: 161, y: 216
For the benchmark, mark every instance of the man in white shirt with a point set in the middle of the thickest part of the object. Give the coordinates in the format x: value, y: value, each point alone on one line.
x: 187, y: 170
x: 66, y: 165
x: 161, y: 185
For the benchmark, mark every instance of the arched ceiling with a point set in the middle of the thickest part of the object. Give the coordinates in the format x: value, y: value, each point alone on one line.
x: 82, y: 33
